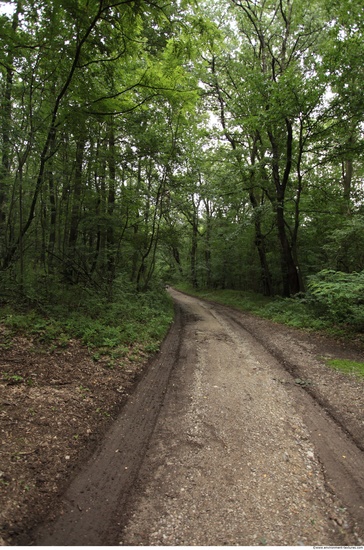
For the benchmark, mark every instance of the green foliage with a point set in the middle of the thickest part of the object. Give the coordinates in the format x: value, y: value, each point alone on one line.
x: 103, y: 326
x: 345, y: 247
x: 347, y: 366
x: 247, y: 301
x: 12, y: 379
x: 294, y: 312
x: 339, y: 297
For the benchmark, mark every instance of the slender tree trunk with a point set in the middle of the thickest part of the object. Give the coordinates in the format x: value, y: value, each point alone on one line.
x: 77, y: 193
x: 266, y: 277
x: 208, y: 245
x: 194, y: 242
x: 177, y: 258
x: 143, y: 273
x: 6, y: 110
x: 53, y: 212
x: 101, y: 210
x: 152, y: 261
x: 348, y: 170
x: 290, y: 278
x: 347, y: 176
x: 297, y: 208
x: 110, y: 237
x: 21, y: 244
x: 98, y: 174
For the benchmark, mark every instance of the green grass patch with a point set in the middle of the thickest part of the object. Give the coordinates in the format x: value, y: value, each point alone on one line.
x: 347, y: 366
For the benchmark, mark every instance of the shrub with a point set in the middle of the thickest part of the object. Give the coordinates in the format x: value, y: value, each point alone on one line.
x: 339, y: 297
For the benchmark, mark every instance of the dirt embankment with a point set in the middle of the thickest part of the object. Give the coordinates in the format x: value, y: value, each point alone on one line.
x: 218, y: 444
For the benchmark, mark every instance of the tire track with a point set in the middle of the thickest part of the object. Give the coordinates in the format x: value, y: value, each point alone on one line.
x: 90, y: 507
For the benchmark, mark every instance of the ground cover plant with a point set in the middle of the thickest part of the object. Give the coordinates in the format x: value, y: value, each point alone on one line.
x: 104, y: 326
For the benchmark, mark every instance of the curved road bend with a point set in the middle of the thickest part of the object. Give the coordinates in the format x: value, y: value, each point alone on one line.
x: 216, y: 447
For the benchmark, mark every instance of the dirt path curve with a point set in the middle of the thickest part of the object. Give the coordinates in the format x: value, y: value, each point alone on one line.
x: 234, y: 453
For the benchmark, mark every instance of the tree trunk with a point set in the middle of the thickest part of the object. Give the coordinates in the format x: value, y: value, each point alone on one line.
x: 208, y: 245
x: 290, y: 277
x: 194, y: 280
x: 177, y: 259
x: 266, y: 277
x: 347, y: 175
x: 6, y: 109
x: 144, y: 273
x: 110, y: 237
x: 77, y: 193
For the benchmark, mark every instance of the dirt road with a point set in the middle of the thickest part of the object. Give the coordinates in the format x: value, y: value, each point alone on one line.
x: 221, y: 445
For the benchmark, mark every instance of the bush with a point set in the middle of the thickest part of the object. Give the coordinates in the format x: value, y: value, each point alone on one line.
x: 294, y: 312
x: 339, y: 297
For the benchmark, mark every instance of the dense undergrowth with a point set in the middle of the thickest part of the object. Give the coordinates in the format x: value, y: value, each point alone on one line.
x: 53, y: 314
x: 106, y: 326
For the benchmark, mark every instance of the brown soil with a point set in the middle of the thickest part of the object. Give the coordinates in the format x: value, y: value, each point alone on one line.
x: 55, y: 406
x: 302, y: 431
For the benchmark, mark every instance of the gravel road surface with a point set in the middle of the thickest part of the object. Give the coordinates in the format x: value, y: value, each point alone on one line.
x: 219, y: 446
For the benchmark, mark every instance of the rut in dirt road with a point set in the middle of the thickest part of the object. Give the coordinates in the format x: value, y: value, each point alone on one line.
x: 231, y: 461
x: 216, y: 447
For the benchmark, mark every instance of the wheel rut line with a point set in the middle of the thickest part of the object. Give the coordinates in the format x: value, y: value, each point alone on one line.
x: 236, y: 468
x: 96, y: 500
x: 293, y: 370
x: 342, y: 462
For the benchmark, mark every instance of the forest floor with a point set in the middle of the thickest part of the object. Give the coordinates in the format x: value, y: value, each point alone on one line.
x: 55, y: 407
x: 242, y: 419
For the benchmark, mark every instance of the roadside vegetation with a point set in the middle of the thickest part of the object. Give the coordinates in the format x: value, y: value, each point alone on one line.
x: 130, y: 320
x: 333, y: 304
x: 345, y: 365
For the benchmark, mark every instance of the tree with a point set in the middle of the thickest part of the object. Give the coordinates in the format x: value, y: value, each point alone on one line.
x: 71, y: 117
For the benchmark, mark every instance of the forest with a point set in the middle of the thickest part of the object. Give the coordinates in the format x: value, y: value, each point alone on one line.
x: 215, y: 144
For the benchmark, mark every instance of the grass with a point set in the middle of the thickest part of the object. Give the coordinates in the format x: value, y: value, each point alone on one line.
x: 347, y: 366
x: 246, y: 301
